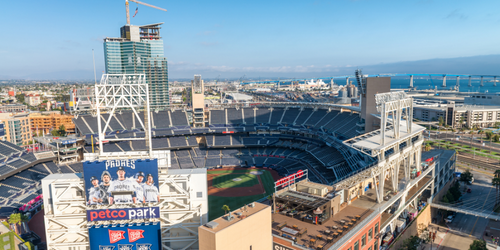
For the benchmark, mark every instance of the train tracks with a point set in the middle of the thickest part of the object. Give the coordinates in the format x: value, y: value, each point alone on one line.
x: 478, y: 163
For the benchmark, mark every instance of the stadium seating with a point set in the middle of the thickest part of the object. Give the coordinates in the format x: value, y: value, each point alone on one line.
x: 262, y: 115
x: 276, y: 115
x: 234, y: 116
x: 217, y: 117
x: 249, y: 116
x: 161, y: 119
x: 290, y: 115
x: 179, y: 118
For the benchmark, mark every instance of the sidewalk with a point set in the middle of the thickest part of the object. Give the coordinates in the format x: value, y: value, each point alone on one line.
x: 493, y: 230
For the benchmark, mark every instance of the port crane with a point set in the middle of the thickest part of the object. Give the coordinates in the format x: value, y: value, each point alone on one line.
x: 138, y: 2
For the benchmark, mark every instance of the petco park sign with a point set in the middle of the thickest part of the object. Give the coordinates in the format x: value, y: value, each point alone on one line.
x: 123, y: 214
x: 286, y: 181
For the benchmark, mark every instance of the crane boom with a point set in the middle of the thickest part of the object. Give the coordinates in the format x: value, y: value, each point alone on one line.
x: 139, y: 2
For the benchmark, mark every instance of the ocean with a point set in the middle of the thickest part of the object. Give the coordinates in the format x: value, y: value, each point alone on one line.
x: 420, y: 84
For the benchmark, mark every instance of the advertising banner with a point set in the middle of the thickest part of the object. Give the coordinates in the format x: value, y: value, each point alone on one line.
x: 66, y: 142
x: 121, y: 182
x: 144, y: 237
x: 123, y: 214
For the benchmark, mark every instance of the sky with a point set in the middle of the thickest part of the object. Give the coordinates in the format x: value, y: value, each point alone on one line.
x: 55, y: 39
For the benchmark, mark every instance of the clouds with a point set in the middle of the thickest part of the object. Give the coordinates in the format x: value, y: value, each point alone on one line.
x: 456, y: 14
x: 487, y: 64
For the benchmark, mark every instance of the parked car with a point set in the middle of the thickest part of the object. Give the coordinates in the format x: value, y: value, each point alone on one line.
x: 449, y: 219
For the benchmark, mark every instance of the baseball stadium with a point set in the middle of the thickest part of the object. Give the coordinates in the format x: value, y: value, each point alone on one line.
x: 207, y: 161
x: 245, y: 149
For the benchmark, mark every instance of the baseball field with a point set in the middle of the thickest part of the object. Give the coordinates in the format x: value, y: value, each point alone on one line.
x: 236, y: 187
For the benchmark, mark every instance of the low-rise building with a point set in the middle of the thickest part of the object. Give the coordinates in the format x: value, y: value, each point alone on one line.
x: 246, y: 228
x: 17, y: 128
x: 13, y: 108
x: 45, y: 123
x: 32, y: 99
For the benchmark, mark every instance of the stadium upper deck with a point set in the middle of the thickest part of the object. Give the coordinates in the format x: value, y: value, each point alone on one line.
x: 285, y: 138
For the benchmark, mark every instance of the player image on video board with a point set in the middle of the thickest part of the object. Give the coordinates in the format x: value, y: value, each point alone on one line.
x: 121, y: 182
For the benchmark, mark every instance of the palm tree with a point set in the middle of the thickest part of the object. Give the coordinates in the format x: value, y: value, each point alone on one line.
x: 226, y: 209
x: 15, y: 219
x: 461, y: 121
x: 427, y: 147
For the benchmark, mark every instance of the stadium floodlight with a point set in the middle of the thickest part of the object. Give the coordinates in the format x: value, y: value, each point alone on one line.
x: 122, y: 91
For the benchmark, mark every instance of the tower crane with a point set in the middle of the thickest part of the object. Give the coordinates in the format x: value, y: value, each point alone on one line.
x: 217, y: 81
x: 138, y: 2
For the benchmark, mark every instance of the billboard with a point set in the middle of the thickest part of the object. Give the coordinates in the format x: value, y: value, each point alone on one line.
x: 139, y: 237
x: 123, y: 214
x: 121, y: 182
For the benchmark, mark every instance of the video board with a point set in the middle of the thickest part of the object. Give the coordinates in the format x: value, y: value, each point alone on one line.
x: 138, y: 237
x: 121, y: 182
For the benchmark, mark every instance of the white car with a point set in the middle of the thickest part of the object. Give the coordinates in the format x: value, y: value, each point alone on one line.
x: 449, y: 219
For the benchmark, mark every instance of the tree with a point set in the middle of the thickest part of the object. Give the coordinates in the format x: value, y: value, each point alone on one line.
x: 20, y: 98
x: 226, y: 209
x: 410, y: 243
x: 466, y: 177
x: 478, y: 245
x: 489, y: 135
x: 15, y: 219
x: 54, y: 132
x: 461, y: 121
x: 62, y: 130
x: 427, y: 147
x: 441, y: 121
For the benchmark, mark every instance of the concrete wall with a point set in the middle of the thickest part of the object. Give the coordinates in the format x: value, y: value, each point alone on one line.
x: 422, y: 221
x: 374, y: 85
x: 253, y: 232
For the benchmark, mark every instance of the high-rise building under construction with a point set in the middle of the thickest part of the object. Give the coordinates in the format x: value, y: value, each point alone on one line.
x: 139, y: 50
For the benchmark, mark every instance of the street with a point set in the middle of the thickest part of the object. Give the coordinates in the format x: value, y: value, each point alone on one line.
x: 481, y: 198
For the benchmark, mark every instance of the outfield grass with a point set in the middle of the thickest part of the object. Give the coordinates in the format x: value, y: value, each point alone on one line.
x: 215, y: 203
x: 226, y: 181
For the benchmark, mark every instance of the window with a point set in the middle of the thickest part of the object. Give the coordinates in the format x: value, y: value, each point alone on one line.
x: 376, y: 228
x: 356, y: 245
x: 200, y: 195
x: 370, y: 248
x: 350, y: 248
x: 363, y: 240
x: 370, y: 234
x: 375, y: 245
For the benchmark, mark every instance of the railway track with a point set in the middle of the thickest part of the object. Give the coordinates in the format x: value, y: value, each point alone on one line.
x: 478, y: 163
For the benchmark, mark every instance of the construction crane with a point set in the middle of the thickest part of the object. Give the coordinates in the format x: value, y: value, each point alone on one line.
x: 138, y: 2
x: 217, y: 81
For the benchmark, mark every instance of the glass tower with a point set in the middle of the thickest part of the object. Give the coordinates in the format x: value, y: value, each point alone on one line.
x: 139, y: 50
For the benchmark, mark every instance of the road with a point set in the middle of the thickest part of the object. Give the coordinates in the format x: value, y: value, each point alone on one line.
x: 483, y: 198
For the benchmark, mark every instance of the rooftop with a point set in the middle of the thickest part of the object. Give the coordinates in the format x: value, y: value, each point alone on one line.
x: 371, y: 141
x: 364, y: 207
x: 221, y: 223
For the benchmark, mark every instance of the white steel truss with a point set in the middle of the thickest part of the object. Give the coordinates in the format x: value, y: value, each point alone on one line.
x: 405, y: 151
x: 123, y: 91
x: 83, y: 101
